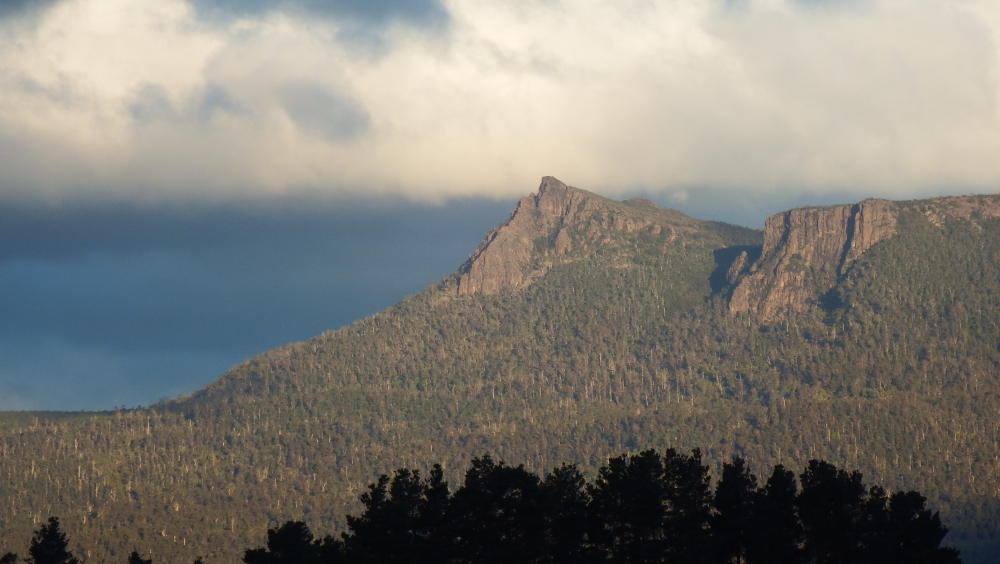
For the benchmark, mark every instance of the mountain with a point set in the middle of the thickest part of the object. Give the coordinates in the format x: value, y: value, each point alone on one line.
x: 582, y: 327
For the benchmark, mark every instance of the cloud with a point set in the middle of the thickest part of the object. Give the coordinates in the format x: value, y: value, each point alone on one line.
x: 316, y: 108
x: 15, y: 8
x: 370, y: 12
x: 158, y: 100
x: 360, y: 24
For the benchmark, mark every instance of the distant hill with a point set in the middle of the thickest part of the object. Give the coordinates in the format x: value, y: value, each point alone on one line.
x: 866, y: 334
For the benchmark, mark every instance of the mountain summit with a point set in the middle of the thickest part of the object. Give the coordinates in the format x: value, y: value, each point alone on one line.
x: 550, y: 225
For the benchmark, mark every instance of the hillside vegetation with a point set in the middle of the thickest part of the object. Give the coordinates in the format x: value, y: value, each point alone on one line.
x: 618, y: 333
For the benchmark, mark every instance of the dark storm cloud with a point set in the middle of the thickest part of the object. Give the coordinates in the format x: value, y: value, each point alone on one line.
x: 373, y: 12
x: 360, y: 24
x: 20, y: 7
x: 118, y: 305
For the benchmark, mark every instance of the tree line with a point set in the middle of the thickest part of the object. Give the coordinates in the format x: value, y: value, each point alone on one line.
x: 640, y: 508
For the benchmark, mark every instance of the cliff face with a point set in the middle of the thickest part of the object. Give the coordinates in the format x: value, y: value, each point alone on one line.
x: 809, y: 246
x: 805, y: 250
x: 555, y: 224
x: 503, y: 259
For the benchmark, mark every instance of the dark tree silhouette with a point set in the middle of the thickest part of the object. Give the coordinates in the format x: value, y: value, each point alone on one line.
x: 832, y: 507
x: 496, y: 514
x: 732, y: 524
x: 916, y: 532
x: 293, y: 543
x: 564, y: 501
x: 876, y: 544
x: 403, y: 520
x: 628, y: 508
x: 901, y: 529
x: 689, y: 498
x: 641, y: 508
x: 384, y: 530
x: 134, y: 558
x: 48, y: 546
x: 9, y: 558
x: 777, y: 534
x: 433, y: 522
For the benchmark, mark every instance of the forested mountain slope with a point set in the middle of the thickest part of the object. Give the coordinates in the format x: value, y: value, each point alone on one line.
x: 867, y: 335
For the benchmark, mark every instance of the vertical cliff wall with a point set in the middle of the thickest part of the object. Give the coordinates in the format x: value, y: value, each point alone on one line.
x: 806, y: 250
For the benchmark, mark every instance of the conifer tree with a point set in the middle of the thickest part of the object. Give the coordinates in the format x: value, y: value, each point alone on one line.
x: 628, y: 508
x: 916, y: 531
x: 49, y: 545
x: 400, y: 520
x: 689, y: 499
x: 777, y: 532
x: 433, y: 518
x: 732, y: 522
x: 564, y: 507
x: 495, y: 514
x: 832, y: 508
x: 134, y: 558
x: 292, y: 543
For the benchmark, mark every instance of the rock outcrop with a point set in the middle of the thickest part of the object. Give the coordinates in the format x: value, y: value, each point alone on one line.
x: 809, y: 246
x: 806, y: 250
x: 556, y: 224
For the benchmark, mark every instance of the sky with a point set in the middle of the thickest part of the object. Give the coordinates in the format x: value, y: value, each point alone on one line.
x: 184, y: 183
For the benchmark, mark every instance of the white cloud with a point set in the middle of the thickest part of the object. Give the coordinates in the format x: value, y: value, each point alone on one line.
x: 142, y: 99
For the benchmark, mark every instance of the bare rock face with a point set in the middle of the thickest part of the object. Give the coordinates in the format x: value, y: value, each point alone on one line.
x: 737, y: 267
x: 805, y: 250
x: 553, y: 224
x: 806, y: 245
x: 502, y: 259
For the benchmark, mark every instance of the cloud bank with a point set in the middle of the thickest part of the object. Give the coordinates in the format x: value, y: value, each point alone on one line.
x: 153, y: 100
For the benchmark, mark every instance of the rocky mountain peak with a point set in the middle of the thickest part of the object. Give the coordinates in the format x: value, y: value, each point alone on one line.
x: 552, y: 187
x: 554, y: 224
